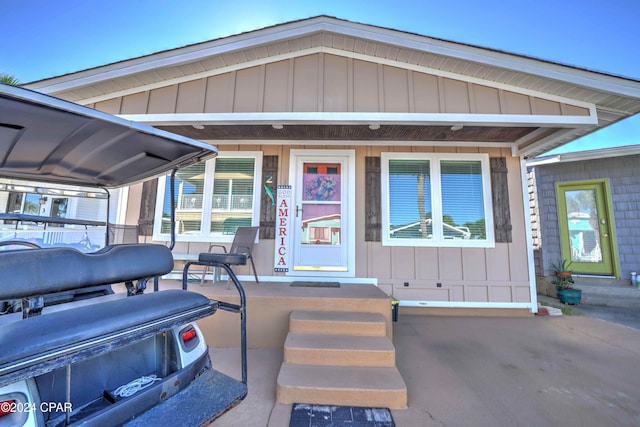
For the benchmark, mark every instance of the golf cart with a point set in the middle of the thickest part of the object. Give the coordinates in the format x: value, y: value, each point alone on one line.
x: 73, y: 351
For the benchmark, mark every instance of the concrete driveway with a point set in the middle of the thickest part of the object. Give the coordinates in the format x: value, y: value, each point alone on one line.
x: 482, y: 371
x: 539, y: 371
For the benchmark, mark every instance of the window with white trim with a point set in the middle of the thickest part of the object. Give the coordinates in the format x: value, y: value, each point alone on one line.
x: 436, y: 200
x: 212, y: 198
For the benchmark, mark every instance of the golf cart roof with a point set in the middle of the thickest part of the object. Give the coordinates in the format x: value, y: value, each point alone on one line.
x: 47, y: 139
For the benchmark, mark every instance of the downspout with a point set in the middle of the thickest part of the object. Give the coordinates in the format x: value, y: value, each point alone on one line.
x: 533, y: 290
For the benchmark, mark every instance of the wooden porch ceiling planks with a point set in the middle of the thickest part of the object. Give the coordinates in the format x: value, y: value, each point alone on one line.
x: 353, y: 133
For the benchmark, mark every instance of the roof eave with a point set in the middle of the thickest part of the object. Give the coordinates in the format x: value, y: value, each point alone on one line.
x: 595, y: 80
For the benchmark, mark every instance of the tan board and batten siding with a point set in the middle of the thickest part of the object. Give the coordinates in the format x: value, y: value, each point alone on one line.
x: 330, y: 83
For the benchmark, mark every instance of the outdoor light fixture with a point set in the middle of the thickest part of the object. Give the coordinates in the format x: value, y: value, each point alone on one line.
x: 374, y: 126
x: 277, y: 126
x: 456, y: 127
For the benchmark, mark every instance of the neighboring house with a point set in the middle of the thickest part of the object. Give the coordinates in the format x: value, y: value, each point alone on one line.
x: 56, y: 202
x: 586, y: 209
x: 402, y: 156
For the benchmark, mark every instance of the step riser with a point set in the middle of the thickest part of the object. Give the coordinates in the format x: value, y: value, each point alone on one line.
x: 339, y: 357
x: 338, y: 322
x: 335, y: 328
x: 392, y: 399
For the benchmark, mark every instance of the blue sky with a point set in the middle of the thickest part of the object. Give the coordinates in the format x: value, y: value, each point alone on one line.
x: 46, y: 38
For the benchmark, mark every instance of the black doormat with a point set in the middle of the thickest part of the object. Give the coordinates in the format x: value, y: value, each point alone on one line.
x: 305, y: 415
x: 316, y: 284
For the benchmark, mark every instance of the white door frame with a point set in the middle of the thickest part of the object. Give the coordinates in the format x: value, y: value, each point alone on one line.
x: 348, y: 199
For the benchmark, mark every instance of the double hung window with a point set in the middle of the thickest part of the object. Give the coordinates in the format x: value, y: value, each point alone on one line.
x: 436, y: 200
x: 212, y: 198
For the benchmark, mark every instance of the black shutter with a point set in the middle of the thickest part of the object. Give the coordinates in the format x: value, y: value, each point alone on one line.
x: 147, y: 207
x: 372, y: 202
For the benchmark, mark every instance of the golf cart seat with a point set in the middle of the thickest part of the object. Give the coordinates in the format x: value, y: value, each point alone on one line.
x: 58, y: 337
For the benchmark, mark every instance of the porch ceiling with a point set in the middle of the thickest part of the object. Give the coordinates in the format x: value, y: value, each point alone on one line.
x: 483, y: 134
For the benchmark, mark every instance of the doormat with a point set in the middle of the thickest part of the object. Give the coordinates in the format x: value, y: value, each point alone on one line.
x: 304, y: 414
x: 316, y: 284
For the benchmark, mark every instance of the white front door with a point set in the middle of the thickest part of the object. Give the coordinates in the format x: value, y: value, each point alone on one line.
x: 323, y: 208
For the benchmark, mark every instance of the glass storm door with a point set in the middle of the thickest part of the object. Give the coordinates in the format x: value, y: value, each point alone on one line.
x: 321, y: 234
x: 585, y: 228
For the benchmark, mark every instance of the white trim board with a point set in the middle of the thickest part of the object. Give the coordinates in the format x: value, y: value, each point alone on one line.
x: 366, y: 118
x: 469, y: 304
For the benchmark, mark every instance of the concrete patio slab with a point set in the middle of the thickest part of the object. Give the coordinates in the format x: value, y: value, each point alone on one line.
x: 486, y: 371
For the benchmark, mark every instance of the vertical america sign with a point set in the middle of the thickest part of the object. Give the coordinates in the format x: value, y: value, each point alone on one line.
x: 283, y: 220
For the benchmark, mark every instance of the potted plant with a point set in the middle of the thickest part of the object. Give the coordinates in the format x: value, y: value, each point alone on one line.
x: 563, y: 281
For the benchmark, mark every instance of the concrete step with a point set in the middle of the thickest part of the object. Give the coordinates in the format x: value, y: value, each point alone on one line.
x: 341, y: 385
x: 611, y: 295
x: 337, y: 322
x: 339, y: 350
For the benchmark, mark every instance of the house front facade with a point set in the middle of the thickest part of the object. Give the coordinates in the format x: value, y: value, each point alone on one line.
x: 364, y: 154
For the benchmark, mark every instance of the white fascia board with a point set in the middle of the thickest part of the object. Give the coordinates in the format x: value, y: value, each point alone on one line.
x: 508, y: 61
x: 627, y: 150
x: 487, y: 56
x: 568, y: 134
x: 174, y: 57
x: 357, y: 118
x: 582, y: 77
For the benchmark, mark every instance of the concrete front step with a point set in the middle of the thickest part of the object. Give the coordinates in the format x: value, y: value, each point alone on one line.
x: 612, y: 296
x: 337, y: 322
x: 339, y: 350
x: 342, y: 385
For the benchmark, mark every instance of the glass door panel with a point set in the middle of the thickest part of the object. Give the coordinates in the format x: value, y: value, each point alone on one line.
x: 321, y: 204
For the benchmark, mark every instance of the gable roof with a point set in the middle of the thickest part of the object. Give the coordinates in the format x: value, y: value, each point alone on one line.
x: 612, y: 97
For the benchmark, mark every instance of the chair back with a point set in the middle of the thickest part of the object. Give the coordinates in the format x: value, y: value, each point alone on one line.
x: 244, y: 240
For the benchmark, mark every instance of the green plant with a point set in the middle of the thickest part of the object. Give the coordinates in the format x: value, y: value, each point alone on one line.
x: 563, y: 282
x: 562, y: 266
x: 9, y: 79
x: 563, y: 279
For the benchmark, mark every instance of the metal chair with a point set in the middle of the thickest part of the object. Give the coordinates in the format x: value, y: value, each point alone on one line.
x: 243, y: 242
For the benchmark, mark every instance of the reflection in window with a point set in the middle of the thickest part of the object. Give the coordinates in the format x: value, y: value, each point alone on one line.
x: 410, y: 199
x: 214, y: 197
x: 431, y: 199
x: 233, y: 186
x: 321, y: 224
x: 462, y: 200
x: 188, y: 196
x: 584, y: 232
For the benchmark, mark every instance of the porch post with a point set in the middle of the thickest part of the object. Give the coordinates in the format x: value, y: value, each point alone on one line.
x: 528, y: 234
